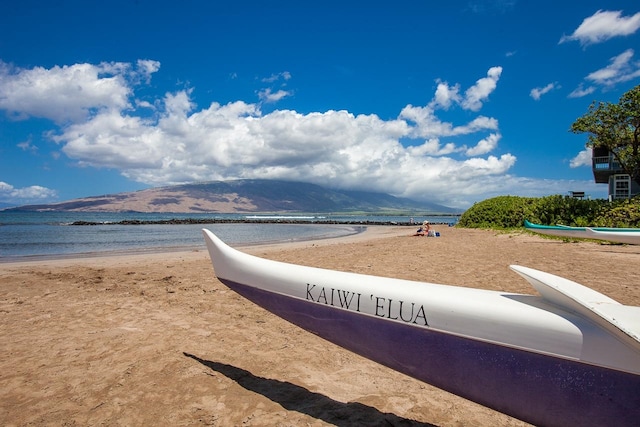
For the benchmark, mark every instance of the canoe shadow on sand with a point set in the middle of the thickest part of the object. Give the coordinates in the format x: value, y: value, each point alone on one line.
x: 295, y: 398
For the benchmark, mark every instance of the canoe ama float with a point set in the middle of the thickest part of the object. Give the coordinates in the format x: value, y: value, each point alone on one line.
x: 618, y: 235
x: 570, y: 356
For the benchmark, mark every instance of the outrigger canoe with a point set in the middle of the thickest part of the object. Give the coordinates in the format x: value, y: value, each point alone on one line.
x: 557, y: 230
x: 568, y: 356
x: 619, y: 235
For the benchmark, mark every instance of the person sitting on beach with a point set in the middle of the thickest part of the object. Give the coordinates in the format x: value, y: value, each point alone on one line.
x: 424, y: 230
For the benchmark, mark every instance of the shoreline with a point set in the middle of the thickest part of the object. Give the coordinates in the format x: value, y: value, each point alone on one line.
x: 359, y: 233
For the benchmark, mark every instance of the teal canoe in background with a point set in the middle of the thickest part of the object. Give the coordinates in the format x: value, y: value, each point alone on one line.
x: 618, y: 235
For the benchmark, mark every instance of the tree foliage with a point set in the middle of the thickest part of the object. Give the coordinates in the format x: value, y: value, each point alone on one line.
x: 617, y: 128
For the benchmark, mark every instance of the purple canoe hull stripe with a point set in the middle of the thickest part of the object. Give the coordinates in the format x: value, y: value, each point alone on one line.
x: 537, y: 388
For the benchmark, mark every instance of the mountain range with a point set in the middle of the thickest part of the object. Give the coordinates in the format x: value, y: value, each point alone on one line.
x: 243, y: 196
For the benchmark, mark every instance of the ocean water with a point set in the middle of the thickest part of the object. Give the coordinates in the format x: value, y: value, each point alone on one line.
x: 29, y: 235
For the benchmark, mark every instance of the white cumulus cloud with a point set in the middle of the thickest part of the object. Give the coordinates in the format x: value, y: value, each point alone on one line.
x: 602, y: 26
x: 479, y: 93
x: 581, y: 91
x: 484, y: 146
x: 68, y: 93
x: 536, y: 93
x: 19, y: 196
x: 583, y: 158
x: 267, y: 95
x: 621, y: 69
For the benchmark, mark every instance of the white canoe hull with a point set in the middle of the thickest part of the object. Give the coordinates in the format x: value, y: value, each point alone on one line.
x: 628, y: 237
x: 568, y: 357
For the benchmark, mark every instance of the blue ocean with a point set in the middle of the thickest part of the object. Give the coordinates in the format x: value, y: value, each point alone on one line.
x: 30, y: 235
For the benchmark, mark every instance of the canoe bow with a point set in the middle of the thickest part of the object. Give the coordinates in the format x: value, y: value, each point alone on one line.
x: 570, y: 356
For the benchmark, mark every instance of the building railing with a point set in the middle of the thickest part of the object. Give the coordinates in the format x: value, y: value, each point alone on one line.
x: 606, y: 163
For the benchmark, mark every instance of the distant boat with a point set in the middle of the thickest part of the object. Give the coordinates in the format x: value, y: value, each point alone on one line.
x: 601, y: 233
x: 568, y: 357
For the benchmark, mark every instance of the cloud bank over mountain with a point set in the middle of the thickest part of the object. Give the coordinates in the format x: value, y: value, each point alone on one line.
x: 101, y: 123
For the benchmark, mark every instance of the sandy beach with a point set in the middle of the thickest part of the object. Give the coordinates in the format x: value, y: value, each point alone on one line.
x: 156, y: 339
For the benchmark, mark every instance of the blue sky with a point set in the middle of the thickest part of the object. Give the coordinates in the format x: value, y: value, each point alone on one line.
x: 451, y: 102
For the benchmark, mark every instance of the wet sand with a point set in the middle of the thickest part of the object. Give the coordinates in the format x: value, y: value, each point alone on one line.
x: 156, y: 339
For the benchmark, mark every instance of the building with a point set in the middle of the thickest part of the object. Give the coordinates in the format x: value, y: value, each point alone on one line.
x: 606, y: 170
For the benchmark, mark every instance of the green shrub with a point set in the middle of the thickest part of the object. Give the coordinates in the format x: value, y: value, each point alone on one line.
x: 565, y: 210
x: 625, y: 213
x: 506, y: 212
x: 498, y: 212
